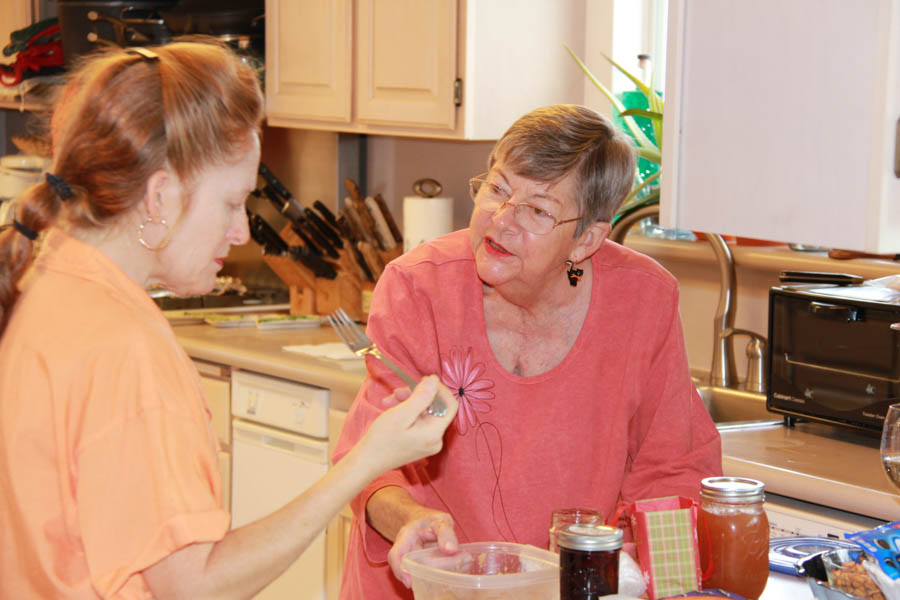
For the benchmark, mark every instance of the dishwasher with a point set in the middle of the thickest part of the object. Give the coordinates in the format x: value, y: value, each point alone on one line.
x: 279, y: 449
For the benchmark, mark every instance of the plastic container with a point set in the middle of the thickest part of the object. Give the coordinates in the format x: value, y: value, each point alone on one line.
x: 484, y: 570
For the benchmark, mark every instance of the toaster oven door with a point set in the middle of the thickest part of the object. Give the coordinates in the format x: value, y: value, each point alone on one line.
x: 832, y: 361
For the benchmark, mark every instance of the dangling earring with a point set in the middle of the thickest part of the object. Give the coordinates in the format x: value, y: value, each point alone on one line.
x: 165, y: 240
x: 573, y: 273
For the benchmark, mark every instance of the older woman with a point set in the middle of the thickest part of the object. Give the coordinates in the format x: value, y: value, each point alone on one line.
x: 108, y: 478
x: 565, y: 351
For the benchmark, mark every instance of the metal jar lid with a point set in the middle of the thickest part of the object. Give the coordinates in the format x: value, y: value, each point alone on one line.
x: 589, y: 536
x: 732, y: 489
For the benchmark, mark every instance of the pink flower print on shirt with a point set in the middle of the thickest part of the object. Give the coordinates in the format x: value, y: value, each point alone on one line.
x: 462, y: 376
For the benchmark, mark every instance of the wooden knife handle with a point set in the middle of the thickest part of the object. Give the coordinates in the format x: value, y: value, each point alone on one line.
x: 376, y: 265
x: 398, y: 237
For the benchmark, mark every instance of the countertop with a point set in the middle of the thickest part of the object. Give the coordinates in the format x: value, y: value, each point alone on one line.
x: 811, y: 462
x: 251, y: 349
x: 818, y: 463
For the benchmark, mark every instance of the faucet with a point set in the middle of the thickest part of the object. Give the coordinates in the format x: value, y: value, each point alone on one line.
x: 723, y: 370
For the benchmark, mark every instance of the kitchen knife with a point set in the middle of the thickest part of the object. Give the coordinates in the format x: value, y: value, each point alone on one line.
x: 323, y: 227
x: 385, y: 237
x: 289, y: 208
x: 283, y: 200
x: 357, y: 255
x: 395, y: 231
x: 372, y: 259
x: 306, y: 240
x: 315, y: 263
x: 320, y: 240
x: 265, y: 235
x: 363, y: 218
x: 329, y: 216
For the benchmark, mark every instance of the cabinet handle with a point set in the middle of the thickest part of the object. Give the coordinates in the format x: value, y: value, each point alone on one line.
x: 897, y: 151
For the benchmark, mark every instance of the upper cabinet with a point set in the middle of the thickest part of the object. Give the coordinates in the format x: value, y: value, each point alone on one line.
x: 462, y: 69
x: 782, y: 121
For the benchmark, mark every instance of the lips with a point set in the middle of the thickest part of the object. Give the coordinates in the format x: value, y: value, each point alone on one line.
x: 494, y: 248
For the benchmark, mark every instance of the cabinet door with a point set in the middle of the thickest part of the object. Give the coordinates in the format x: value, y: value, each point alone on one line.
x: 781, y: 121
x: 308, y: 60
x: 406, y: 62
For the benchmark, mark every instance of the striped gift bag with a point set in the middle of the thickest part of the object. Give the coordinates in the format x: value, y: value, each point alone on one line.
x: 665, y: 530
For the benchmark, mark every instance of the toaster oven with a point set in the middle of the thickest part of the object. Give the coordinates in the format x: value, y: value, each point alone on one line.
x: 834, y: 353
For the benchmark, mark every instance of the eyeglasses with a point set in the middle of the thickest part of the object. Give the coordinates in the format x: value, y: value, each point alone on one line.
x: 530, y: 216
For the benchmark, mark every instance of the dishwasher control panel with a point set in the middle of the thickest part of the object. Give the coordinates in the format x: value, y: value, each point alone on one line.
x: 280, y: 403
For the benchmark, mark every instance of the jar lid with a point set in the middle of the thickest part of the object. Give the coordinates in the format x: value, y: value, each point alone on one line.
x: 732, y: 489
x: 589, y: 536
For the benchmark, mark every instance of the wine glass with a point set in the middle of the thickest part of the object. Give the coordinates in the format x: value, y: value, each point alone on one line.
x: 890, y: 444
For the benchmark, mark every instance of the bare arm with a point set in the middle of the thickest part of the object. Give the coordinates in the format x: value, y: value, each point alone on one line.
x: 393, y: 513
x: 248, y: 558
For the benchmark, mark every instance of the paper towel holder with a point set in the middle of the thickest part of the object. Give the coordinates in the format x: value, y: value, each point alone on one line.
x: 427, y: 187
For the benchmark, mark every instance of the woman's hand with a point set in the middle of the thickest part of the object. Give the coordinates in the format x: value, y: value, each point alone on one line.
x: 428, y: 527
x: 406, y: 433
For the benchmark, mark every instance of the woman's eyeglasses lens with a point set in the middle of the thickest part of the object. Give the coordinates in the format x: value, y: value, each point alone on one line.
x: 529, y: 217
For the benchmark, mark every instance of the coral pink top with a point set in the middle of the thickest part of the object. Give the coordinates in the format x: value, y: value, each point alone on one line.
x: 107, y: 455
x: 618, y: 418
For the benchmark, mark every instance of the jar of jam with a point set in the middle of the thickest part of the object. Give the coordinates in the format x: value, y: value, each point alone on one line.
x: 733, y: 534
x: 588, y: 561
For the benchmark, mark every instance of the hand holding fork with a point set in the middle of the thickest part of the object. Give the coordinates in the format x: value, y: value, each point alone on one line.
x: 356, y: 339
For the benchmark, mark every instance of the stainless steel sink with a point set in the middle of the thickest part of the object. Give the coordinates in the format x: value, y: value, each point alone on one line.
x: 737, y: 409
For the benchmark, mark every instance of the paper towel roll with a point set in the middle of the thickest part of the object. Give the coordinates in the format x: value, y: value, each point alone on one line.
x: 425, y: 219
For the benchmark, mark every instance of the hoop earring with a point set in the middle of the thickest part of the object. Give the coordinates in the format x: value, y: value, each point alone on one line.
x: 163, y: 243
x: 573, y: 274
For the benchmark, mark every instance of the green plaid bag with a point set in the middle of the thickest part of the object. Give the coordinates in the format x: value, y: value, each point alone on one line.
x: 665, y: 530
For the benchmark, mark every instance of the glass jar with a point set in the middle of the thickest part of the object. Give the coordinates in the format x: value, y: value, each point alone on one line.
x: 563, y: 517
x: 733, y: 534
x: 588, y: 561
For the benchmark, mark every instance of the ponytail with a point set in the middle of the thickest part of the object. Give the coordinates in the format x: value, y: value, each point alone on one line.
x: 121, y: 117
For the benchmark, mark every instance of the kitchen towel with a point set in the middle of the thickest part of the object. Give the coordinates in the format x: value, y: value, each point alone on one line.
x: 425, y: 219
x: 335, y: 351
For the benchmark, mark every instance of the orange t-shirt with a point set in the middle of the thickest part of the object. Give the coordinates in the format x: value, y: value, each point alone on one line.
x: 107, y: 455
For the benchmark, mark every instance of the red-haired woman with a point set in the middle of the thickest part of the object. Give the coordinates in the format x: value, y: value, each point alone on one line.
x: 108, y: 478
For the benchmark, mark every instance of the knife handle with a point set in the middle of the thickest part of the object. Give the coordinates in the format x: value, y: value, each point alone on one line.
x: 395, y: 231
x: 329, y: 216
x: 290, y: 208
x: 324, y: 228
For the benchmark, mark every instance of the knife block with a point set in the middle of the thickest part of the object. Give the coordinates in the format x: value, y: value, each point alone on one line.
x: 316, y: 295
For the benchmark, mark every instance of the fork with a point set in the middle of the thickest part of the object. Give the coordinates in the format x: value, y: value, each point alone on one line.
x: 357, y: 340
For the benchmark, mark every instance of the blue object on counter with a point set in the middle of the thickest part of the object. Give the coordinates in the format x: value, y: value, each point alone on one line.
x: 786, y: 553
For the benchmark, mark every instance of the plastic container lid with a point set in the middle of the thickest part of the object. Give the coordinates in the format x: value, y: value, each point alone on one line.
x: 732, y: 489
x: 590, y: 537
x: 484, y: 565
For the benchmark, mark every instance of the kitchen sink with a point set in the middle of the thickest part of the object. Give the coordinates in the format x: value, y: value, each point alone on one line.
x: 737, y: 409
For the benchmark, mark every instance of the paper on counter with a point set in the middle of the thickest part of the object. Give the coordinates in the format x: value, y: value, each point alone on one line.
x: 332, y: 351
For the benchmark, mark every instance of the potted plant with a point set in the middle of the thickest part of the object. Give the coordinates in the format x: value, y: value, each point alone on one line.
x: 646, y: 190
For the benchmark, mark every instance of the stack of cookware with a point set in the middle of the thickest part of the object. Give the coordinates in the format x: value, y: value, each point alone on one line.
x: 88, y: 24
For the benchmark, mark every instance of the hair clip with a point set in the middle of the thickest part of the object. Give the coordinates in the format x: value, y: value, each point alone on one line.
x: 144, y: 53
x: 60, y: 186
x: 25, y: 230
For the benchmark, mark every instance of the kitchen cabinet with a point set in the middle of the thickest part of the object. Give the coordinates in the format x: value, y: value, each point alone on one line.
x: 216, y: 381
x: 462, y: 69
x: 782, y: 121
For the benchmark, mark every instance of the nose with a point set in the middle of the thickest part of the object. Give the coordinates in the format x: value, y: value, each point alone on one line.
x: 239, y: 231
x: 502, y: 216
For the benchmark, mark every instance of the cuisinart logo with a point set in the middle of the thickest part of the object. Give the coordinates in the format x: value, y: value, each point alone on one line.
x: 788, y: 398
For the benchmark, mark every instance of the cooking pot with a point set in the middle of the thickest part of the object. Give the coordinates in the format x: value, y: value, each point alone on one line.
x: 88, y: 24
